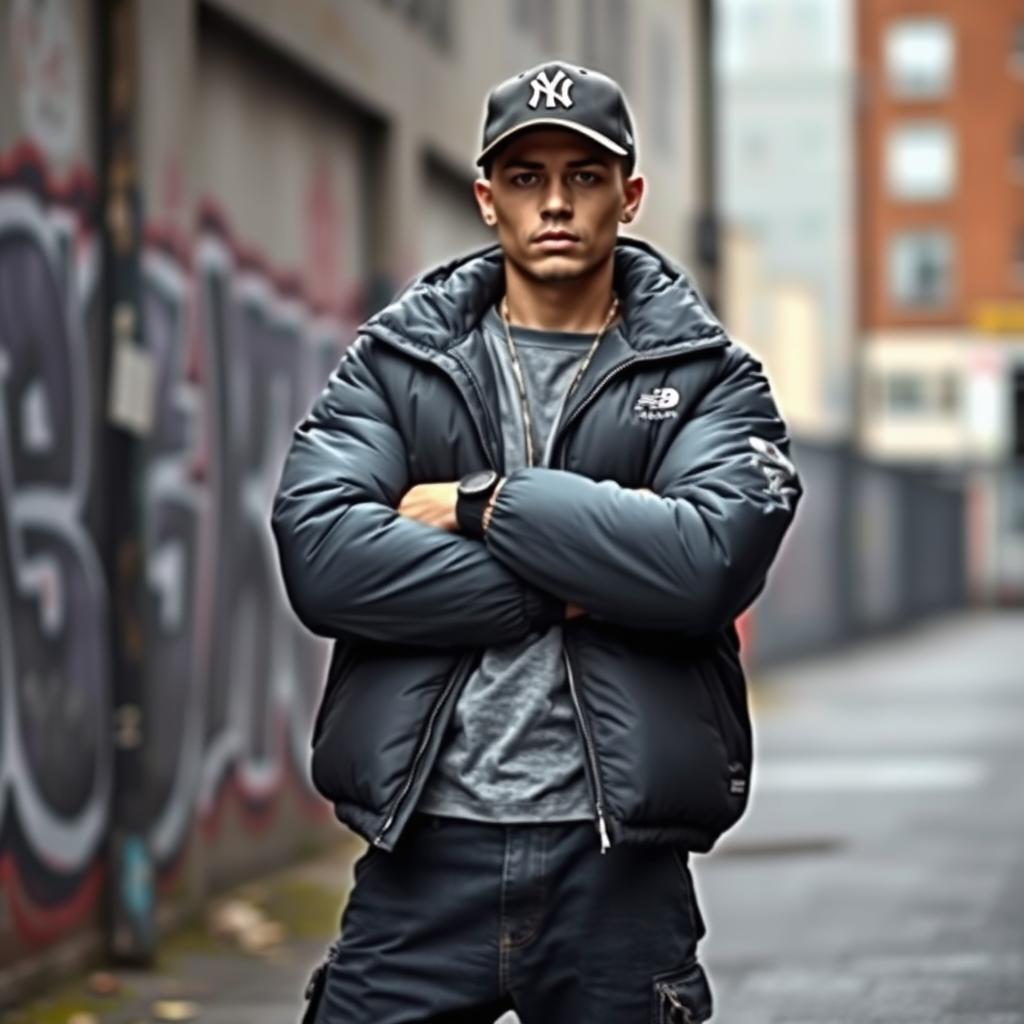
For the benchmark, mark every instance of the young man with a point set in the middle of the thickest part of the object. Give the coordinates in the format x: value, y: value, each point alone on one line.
x: 528, y: 506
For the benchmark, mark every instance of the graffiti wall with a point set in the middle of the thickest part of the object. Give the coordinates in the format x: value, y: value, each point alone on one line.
x: 231, y: 677
x: 244, y: 308
x: 54, y: 660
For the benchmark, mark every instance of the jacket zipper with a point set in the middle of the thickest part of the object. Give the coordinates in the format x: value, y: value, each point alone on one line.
x: 497, y: 455
x: 457, y: 673
x: 420, y: 752
x: 602, y: 826
x: 588, y: 744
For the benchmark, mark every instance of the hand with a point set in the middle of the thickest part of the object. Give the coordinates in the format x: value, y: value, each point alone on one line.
x: 432, y: 505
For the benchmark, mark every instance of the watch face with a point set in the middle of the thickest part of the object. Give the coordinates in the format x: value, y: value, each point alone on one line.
x: 477, y: 483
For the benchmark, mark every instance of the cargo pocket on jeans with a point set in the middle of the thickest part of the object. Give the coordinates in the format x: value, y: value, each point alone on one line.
x: 682, y: 996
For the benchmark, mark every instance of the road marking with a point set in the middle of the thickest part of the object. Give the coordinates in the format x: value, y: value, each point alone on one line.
x: 869, y: 773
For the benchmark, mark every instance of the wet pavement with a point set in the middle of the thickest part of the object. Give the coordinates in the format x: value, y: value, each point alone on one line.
x: 879, y: 873
x: 878, y: 876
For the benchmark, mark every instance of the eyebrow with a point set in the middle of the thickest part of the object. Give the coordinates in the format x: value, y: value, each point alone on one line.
x: 535, y: 165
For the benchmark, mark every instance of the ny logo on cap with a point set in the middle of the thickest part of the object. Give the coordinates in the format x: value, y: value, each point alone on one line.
x: 549, y: 87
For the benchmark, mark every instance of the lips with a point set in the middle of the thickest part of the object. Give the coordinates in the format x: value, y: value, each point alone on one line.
x: 557, y: 236
x: 555, y: 241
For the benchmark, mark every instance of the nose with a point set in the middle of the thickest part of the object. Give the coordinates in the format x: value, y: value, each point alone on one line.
x: 557, y: 200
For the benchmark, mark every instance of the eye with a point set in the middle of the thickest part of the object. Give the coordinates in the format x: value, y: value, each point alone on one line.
x: 587, y: 177
x: 524, y: 178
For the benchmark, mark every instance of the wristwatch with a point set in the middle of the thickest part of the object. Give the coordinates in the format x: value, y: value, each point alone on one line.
x: 473, y: 491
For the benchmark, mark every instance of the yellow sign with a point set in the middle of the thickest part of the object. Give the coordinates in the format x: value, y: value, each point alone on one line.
x: 999, y: 317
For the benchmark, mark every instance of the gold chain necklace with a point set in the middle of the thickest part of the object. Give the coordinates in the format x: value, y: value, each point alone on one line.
x: 517, y: 371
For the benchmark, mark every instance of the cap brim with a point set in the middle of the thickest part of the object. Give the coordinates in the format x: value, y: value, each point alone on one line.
x: 555, y: 122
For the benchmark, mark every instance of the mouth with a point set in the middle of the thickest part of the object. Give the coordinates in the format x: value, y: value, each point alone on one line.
x: 556, y: 241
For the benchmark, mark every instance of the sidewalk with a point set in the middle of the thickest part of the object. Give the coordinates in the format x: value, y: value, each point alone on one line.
x: 878, y: 874
x: 211, y: 979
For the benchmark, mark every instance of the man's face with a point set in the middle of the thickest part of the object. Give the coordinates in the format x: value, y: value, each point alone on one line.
x: 556, y: 200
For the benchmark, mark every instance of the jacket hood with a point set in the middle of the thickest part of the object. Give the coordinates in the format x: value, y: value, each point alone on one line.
x: 659, y: 304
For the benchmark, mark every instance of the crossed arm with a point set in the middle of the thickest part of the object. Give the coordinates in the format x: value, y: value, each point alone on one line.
x: 365, y: 553
x: 434, y: 505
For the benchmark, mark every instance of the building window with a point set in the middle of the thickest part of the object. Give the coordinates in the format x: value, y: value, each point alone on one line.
x: 919, y: 58
x: 921, y: 269
x: 1017, y: 52
x: 1018, y: 427
x: 1018, y: 259
x: 1017, y: 158
x: 907, y: 393
x: 875, y: 393
x: 949, y: 393
x: 920, y: 159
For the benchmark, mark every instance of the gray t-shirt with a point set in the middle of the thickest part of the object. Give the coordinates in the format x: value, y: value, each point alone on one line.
x: 513, y: 752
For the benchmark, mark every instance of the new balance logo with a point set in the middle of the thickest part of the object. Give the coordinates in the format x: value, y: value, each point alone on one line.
x: 657, y: 404
x: 549, y: 88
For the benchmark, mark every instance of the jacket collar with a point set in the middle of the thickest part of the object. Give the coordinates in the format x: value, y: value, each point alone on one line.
x: 661, y: 309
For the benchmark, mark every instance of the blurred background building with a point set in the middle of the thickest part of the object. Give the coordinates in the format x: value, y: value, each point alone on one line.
x: 199, y: 202
x: 786, y: 85
x: 940, y: 133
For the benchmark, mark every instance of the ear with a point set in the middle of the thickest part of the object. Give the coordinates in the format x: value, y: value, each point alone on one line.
x: 633, y: 189
x: 485, y: 201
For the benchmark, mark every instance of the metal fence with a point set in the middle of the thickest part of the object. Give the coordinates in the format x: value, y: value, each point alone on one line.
x: 873, y: 547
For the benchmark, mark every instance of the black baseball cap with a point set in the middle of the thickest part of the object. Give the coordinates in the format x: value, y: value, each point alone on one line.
x: 562, y: 95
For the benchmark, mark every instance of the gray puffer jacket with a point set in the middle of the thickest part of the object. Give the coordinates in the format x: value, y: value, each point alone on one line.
x: 668, y: 403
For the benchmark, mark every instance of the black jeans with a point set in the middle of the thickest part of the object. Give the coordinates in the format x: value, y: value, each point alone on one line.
x: 465, y: 920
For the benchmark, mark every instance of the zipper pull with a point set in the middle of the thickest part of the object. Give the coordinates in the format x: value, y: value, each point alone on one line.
x: 675, y: 1004
x: 602, y: 831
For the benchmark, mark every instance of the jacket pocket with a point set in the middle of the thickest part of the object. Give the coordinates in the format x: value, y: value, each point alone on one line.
x: 725, y: 719
x: 682, y: 996
x: 734, y: 737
